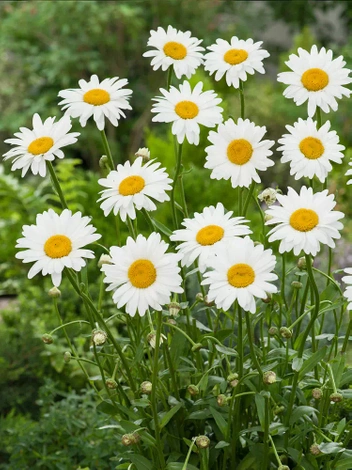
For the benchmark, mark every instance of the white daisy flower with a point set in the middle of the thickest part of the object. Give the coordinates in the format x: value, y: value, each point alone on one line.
x: 238, y: 152
x: 304, y: 221
x: 206, y: 232
x: 349, y: 172
x: 56, y: 242
x: 142, y: 275
x: 316, y: 77
x: 242, y: 271
x: 132, y: 187
x: 186, y: 109
x: 43, y: 143
x: 236, y: 59
x: 310, y: 150
x: 100, y: 100
x: 175, y: 48
x: 348, y: 292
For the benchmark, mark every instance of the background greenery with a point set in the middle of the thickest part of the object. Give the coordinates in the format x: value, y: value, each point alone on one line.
x: 48, y: 418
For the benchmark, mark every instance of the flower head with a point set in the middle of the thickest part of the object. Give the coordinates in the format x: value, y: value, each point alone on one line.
x: 236, y: 59
x: 207, y: 231
x: 143, y: 274
x: 105, y: 99
x: 316, y: 77
x: 268, y: 196
x: 304, y: 221
x: 310, y: 150
x: 175, y: 48
x: 186, y: 109
x: 32, y: 148
x: 242, y: 272
x: 133, y: 186
x: 56, y: 242
x: 238, y: 151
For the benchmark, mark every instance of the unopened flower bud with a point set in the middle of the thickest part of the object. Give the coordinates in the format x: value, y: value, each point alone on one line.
x: 174, y: 308
x: 278, y: 410
x: 130, y: 439
x: 193, y: 390
x: 197, y: 347
x: 146, y: 387
x: 47, y: 339
x: 268, y: 196
x: 144, y: 153
x: 111, y: 384
x: 269, y: 377
x: 296, y: 285
x: 234, y: 383
x: 171, y: 321
x: 200, y: 297
x: 221, y: 400
x: 208, y: 303
x: 104, y: 259
x: 273, y: 331
x: 317, y: 393
x: 202, y: 442
x: 267, y: 299
x: 302, y: 263
x: 267, y: 217
x: 67, y: 356
x: 54, y: 292
x: 104, y: 163
x: 315, y: 450
x: 336, y: 397
x: 151, y: 338
x: 285, y: 332
x: 232, y: 377
x: 99, y: 337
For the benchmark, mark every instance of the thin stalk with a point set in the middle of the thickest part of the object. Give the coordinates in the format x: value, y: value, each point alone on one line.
x: 107, y: 149
x: 283, y: 279
x: 249, y: 196
x: 174, y: 183
x: 169, y: 77
x: 241, y: 98
x: 347, y: 335
x: 188, y: 454
x: 275, y: 451
x: 56, y: 184
x: 251, y: 343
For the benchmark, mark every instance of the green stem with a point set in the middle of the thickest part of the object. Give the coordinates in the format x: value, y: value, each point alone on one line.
x: 107, y: 149
x: 67, y: 324
x: 169, y: 77
x: 251, y: 343
x: 347, y: 335
x: 249, y: 196
x: 174, y: 183
x: 275, y: 451
x: 188, y: 454
x: 131, y: 228
x: 56, y: 184
x: 242, y: 99
x: 283, y: 279
x: 318, y: 117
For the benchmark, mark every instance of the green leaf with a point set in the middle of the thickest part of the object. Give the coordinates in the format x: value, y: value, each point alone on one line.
x: 225, y: 350
x: 140, y: 462
x: 220, y: 420
x: 179, y: 466
x: 167, y: 416
x: 200, y: 414
x: 331, y: 447
x: 297, y: 363
x: 344, y: 464
x: 166, y: 231
x: 301, y: 411
x: 310, y: 363
x: 346, y: 378
x: 260, y: 404
x: 222, y: 444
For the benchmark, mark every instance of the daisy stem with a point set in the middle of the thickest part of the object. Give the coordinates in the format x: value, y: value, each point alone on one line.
x: 56, y: 184
x: 241, y: 98
x: 239, y: 201
x: 347, y: 336
x: 283, y: 279
x: 107, y: 149
x: 275, y: 451
x: 251, y: 343
x: 169, y: 77
x: 131, y: 228
x: 239, y: 341
x: 248, y: 199
x: 174, y: 183
x: 318, y: 117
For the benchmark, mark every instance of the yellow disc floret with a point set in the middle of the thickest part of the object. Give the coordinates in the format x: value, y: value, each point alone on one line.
x: 312, y: 148
x: 235, y: 56
x: 142, y: 273
x: 96, y: 97
x: 175, y: 50
x: 186, y: 109
x: 304, y: 220
x: 58, y: 246
x: 209, y: 235
x: 40, y: 145
x: 315, y: 79
x: 239, y: 151
x: 131, y: 185
x: 240, y: 275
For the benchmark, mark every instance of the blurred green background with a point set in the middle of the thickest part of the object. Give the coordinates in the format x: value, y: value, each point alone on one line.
x: 48, y: 46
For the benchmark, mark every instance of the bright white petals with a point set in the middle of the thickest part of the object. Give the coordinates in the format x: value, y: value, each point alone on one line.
x: 32, y: 148
x: 186, y: 109
x: 132, y: 187
x: 304, y: 221
x: 106, y: 99
x: 207, y: 231
x: 56, y: 242
x: 142, y: 275
x: 316, y: 77
x: 174, y: 48
x: 238, y: 152
x: 309, y: 150
x: 348, y: 291
x: 235, y: 59
x: 242, y: 271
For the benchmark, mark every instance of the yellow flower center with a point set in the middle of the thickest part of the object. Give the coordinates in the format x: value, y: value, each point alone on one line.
x: 175, y: 50
x: 142, y: 273
x: 311, y: 148
x: 240, y: 275
x: 235, y: 56
x: 304, y: 220
x: 96, y: 97
x: 58, y: 246
x: 186, y: 109
x: 315, y: 79
x: 131, y: 185
x: 40, y: 146
x: 209, y: 235
x: 239, y: 151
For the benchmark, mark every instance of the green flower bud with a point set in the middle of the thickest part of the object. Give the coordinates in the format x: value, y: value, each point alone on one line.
x: 285, y: 332
x: 54, y: 292
x: 146, y: 387
x: 193, y: 390
x: 111, y: 384
x: 317, y: 393
x: 221, y: 400
x: 269, y: 377
x: 104, y: 259
x: 232, y: 377
x: 130, y: 439
x: 67, y: 356
x: 200, y: 297
x: 104, y: 163
x: 202, y: 442
x: 296, y: 285
x: 171, y: 321
x: 336, y: 397
x: 315, y: 450
x: 278, y: 410
x: 302, y: 264
x: 99, y: 337
x: 47, y: 339
x: 273, y: 331
x: 174, y: 308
